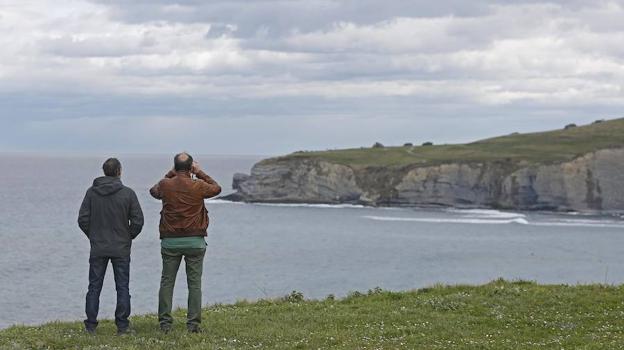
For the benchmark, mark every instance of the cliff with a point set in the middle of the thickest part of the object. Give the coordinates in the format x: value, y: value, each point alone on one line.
x: 581, y: 169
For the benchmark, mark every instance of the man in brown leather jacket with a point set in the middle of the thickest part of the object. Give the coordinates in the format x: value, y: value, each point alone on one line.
x: 183, y: 226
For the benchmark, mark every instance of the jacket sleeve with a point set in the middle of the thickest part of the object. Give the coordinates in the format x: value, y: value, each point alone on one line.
x: 208, y: 186
x: 84, y: 215
x: 136, y: 216
x: 155, y: 191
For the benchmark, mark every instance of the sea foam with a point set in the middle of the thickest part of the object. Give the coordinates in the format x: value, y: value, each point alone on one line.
x: 485, y: 213
x: 499, y: 221
x: 521, y: 221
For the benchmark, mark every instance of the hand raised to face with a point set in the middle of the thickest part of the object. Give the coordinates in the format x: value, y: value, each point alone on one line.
x: 195, y: 168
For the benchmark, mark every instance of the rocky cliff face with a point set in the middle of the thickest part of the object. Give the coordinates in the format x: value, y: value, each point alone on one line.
x: 593, y: 182
x: 299, y: 181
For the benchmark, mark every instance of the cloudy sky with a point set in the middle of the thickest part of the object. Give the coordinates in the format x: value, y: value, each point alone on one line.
x: 271, y: 77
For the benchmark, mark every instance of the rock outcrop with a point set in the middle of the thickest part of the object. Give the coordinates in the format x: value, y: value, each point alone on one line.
x: 304, y: 180
x: 592, y: 182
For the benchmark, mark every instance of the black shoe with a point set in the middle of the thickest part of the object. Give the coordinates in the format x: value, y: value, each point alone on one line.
x: 165, y: 329
x: 195, y: 329
x: 90, y: 331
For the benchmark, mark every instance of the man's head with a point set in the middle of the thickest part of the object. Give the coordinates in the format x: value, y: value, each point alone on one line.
x: 112, y: 167
x: 183, y: 162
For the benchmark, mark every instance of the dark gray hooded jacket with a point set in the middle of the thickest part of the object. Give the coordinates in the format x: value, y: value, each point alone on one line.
x: 111, y: 216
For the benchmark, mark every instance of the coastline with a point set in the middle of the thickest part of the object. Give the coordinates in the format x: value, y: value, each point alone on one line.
x: 570, y: 170
x: 313, y: 204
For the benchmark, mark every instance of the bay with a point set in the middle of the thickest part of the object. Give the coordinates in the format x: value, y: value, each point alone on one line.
x: 265, y: 251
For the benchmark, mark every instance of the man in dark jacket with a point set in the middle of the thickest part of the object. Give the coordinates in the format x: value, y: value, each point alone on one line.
x: 183, y: 226
x: 111, y: 217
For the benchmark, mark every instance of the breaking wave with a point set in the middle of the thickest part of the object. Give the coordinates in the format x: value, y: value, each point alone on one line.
x: 518, y: 220
x: 521, y: 221
x: 485, y: 213
x: 457, y: 216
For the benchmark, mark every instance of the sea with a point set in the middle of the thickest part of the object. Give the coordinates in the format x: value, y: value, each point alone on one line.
x: 269, y: 250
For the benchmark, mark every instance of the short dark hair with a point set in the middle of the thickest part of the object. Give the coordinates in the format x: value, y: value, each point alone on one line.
x: 112, y: 167
x: 182, y: 164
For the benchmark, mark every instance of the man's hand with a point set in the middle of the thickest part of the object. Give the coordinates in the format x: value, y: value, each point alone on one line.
x: 195, y: 168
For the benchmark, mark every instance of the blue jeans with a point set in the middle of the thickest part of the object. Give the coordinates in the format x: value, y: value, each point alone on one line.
x: 97, y: 270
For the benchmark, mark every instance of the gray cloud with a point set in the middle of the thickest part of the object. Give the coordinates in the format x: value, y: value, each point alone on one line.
x: 281, y: 17
x: 278, y: 17
x: 273, y: 76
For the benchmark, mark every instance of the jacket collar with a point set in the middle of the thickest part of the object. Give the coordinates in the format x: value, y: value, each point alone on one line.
x: 183, y: 173
x: 107, y: 185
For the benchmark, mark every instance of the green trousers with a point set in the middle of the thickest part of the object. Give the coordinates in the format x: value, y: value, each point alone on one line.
x: 194, y: 261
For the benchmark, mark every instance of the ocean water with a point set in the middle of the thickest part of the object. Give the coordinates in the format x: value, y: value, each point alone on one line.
x: 260, y: 250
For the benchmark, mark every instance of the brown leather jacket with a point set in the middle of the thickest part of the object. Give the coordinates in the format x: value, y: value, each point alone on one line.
x: 183, y: 211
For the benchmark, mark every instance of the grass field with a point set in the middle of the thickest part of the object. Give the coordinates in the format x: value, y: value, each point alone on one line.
x: 499, y: 315
x: 543, y: 147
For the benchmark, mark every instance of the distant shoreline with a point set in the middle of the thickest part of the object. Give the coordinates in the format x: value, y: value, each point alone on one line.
x: 578, y: 169
x: 603, y: 213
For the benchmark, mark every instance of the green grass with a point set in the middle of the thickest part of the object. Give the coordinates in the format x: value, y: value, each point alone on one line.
x: 499, y: 315
x: 543, y: 147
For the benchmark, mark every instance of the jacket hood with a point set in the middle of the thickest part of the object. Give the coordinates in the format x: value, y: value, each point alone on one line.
x: 107, y: 185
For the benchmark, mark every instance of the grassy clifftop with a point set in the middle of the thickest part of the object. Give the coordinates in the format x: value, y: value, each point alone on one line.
x: 542, y: 147
x: 499, y: 315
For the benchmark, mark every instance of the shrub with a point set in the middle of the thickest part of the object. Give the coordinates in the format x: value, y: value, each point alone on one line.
x: 294, y: 297
x: 408, y: 144
x: 376, y: 290
x: 570, y: 126
x: 427, y: 143
x: 378, y: 145
x: 354, y: 295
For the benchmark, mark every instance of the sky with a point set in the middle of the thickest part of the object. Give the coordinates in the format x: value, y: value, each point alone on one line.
x: 276, y: 76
